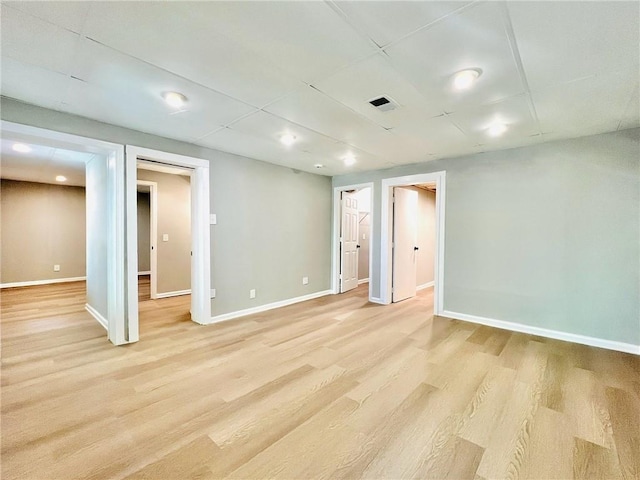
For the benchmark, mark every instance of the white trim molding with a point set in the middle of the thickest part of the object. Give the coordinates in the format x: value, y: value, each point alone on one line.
x: 114, y: 156
x: 386, y: 229
x: 545, y: 332
x: 269, y: 306
x: 200, y: 234
x: 364, y: 280
x: 425, y: 285
x: 95, y: 314
x: 335, y: 234
x: 177, y: 293
x: 376, y: 300
x: 32, y: 283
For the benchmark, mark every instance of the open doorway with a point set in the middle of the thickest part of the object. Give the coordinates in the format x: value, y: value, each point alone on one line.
x: 69, y: 228
x: 412, y: 241
x: 414, y: 209
x: 352, y: 237
x: 179, y: 258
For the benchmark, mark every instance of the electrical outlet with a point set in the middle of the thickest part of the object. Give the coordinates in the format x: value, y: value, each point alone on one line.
x: 252, y: 293
x: 165, y: 237
x: 305, y: 280
x: 213, y: 293
x: 56, y: 268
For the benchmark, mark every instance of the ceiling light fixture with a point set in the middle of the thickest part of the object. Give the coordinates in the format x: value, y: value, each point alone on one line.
x: 349, y: 159
x: 288, y: 139
x: 21, y: 147
x: 319, y: 165
x: 497, y: 129
x: 174, y: 99
x: 61, y: 178
x: 466, y: 78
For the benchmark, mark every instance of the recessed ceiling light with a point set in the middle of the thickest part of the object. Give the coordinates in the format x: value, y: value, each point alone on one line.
x: 61, y: 178
x: 497, y: 129
x: 319, y: 165
x: 349, y: 159
x: 21, y: 147
x: 174, y: 99
x: 288, y: 139
x: 466, y: 78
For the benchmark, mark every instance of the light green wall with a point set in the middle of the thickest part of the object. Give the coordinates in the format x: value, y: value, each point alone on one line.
x: 545, y: 236
x: 274, y: 223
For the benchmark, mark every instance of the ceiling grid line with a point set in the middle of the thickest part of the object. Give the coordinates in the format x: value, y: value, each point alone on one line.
x: 518, y: 59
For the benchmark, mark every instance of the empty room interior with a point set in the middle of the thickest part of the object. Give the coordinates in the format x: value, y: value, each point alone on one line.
x: 320, y: 239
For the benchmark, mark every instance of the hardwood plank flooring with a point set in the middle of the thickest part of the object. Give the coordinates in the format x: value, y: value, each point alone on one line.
x: 331, y: 388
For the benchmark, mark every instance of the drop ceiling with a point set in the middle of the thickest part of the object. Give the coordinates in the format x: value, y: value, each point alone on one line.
x: 253, y: 71
x: 42, y: 163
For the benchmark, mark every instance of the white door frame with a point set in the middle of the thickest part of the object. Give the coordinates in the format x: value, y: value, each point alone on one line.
x: 153, y: 234
x: 386, y: 239
x: 200, y: 232
x: 117, y: 328
x: 335, y: 244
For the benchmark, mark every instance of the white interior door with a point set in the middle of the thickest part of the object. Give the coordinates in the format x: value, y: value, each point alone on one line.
x: 349, y: 242
x: 405, y: 250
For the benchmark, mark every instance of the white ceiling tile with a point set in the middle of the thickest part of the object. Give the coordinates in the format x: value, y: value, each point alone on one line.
x: 181, y: 39
x: 31, y: 40
x: 322, y: 114
x: 110, y: 78
x: 32, y: 84
x: 385, y: 22
x: 241, y: 143
x: 563, y: 41
x: 356, y: 85
x: 428, y: 137
x: 306, y: 39
x: 474, y: 38
x: 513, y: 112
x: 68, y: 15
x: 585, y: 103
x: 43, y: 164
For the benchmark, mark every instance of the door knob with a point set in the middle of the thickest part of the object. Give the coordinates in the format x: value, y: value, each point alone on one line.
x: 357, y: 246
x: 416, y: 248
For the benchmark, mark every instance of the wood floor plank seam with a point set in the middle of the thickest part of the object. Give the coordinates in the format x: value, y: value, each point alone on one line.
x: 331, y: 388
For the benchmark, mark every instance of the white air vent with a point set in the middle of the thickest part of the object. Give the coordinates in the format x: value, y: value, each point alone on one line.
x: 383, y: 103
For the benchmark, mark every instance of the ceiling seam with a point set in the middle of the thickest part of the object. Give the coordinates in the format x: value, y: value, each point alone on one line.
x: 513, y: 44
x: 211, y: 89
x: 432, y: 23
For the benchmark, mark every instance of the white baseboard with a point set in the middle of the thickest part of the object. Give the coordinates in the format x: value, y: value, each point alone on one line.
x: 41, y: 282
x: 95, y: 314
x: 364, y: 280
x: 269, y: 306
x: 545, y: 332
x: 144, y: 273
x: 425, y: 285
x: 177, y: 293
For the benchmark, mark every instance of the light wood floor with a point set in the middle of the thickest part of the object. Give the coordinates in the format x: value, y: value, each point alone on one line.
x: 331, y: 388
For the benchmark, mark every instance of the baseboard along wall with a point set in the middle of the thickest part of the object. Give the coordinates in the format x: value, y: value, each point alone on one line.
x: 32, y: 283
x: 545, y: 332
x: 269, y: 306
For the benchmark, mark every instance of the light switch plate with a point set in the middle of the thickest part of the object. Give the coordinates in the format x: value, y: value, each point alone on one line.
x: 213, y: 219
x: 165, y: 237
x: 213, y: 293
x: 252, y: 293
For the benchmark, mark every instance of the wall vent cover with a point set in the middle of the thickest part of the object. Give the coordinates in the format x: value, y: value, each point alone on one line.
x: 383, y: 103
